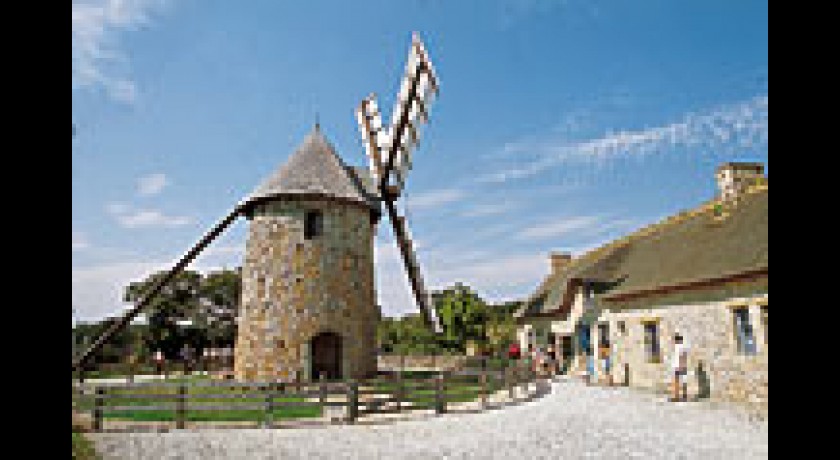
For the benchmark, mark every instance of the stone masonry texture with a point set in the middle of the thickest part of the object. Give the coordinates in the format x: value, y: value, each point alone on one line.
x: 295, y: 288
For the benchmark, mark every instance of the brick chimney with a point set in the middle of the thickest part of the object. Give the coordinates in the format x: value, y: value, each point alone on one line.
x: 559, y: 260
x: 734, y: 178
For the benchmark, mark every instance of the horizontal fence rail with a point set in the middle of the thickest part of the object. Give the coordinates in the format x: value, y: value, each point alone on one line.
x: 264, y: 403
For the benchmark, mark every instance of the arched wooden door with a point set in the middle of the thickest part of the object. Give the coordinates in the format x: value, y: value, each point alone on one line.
x: 326, y: 356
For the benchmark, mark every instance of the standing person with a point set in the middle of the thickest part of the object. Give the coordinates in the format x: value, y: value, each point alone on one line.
x: 187, y: 356
x: 549, y: 360
x: 604, y: 355
x: 679, y: 365
x: 529, y: 358
x: 158, y: 359
x: 513, y: 351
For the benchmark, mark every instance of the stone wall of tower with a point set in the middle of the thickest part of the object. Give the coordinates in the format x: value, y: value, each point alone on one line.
x: 295, y: 288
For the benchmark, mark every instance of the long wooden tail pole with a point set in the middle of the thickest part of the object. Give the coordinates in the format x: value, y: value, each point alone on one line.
x: 410, y: 266
x: 154, y: 290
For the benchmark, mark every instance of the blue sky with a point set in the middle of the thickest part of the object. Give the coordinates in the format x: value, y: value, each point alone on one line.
x: 560, y: 125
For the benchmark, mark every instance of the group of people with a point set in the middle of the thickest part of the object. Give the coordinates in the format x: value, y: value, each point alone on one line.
x: 542, y: 360
x: 545, y: 363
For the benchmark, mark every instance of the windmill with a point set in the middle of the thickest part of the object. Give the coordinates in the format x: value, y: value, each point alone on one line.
x: 389, y: 151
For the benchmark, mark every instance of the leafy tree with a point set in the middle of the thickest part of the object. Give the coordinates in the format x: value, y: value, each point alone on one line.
x: 220, y: 295
x: 177, y: 303
x: 462, y: 315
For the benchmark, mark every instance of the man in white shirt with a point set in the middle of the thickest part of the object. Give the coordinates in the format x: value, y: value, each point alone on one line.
x: 679, y: 366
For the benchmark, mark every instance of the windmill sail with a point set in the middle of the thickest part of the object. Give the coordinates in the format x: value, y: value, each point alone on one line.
x: 370, y: 126
x: 392, y: 147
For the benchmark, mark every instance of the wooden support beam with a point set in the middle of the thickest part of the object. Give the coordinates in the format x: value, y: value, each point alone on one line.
x: 154, y: 290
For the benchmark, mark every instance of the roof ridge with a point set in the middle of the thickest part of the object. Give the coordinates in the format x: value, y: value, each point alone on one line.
x: 668, y: 221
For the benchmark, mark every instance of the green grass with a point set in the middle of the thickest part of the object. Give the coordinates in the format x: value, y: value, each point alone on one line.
x: 459, y: 390
x: 82, y: 448
x: 281, y: 413
x: 168, y: 397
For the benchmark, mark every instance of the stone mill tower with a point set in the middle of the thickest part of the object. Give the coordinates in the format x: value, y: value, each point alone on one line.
x: 308, y: 300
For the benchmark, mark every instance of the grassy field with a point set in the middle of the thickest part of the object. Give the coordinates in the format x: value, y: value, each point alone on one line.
x: 461, y: 388
x: 166, y: 395
x: 82, y: 448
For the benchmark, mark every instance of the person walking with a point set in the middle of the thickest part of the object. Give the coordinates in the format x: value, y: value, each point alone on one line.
x: 679, y: 366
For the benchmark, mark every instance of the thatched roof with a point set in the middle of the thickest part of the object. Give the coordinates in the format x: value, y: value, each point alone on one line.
x: 712, y: 241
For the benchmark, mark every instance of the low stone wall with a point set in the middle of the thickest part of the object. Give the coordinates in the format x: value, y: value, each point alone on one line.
x: 420, y: 362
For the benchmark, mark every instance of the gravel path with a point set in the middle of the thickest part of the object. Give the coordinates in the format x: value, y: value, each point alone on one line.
x: 573, y: 421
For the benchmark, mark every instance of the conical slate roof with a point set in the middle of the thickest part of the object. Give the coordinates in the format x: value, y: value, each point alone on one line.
x: 315, y: 170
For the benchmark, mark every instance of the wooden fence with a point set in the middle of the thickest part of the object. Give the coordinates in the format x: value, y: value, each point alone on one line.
x: 263, y: 402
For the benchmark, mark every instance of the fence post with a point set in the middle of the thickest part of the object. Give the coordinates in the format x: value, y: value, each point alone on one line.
x: 509, y: 380
x: 440, y: 402
x: 269, y: 405
x: 400, y: 391
x: 181, y: 409
x: 98, y: 401
x: 352, y: 400
x: 484, y: 389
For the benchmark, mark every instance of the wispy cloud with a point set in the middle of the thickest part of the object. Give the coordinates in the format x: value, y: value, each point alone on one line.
x: 582, y: 227
x: 128, y: 217
x: 434, y: 198
x: 562, y: 227
x: 152, y: 184
x: 729, y: 128
x: 97, y: 58
x: 489, y: 209
x: 80, y: 241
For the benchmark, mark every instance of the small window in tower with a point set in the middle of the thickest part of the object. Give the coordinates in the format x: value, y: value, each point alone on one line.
x: 313, y: 225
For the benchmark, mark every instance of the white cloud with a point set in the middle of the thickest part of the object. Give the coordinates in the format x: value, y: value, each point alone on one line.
x: 580, y: 227
x: 434, y: 198
x: 137, y: 218
x: 561, y: 227
x: 729, y: 128
x: 80, y: 241
x: 152, y: 184
x: 97, y: 59
x: 98, y: 290
x: 490, y: 209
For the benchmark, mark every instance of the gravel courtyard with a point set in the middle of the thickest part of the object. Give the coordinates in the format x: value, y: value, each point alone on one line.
x: 572, y: 421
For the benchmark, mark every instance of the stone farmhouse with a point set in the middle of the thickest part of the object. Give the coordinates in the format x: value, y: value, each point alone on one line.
x: 702, y: 273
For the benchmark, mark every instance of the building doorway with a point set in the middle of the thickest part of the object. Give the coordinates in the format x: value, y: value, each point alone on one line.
x: 567, y: 352
x: 326, y: 356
